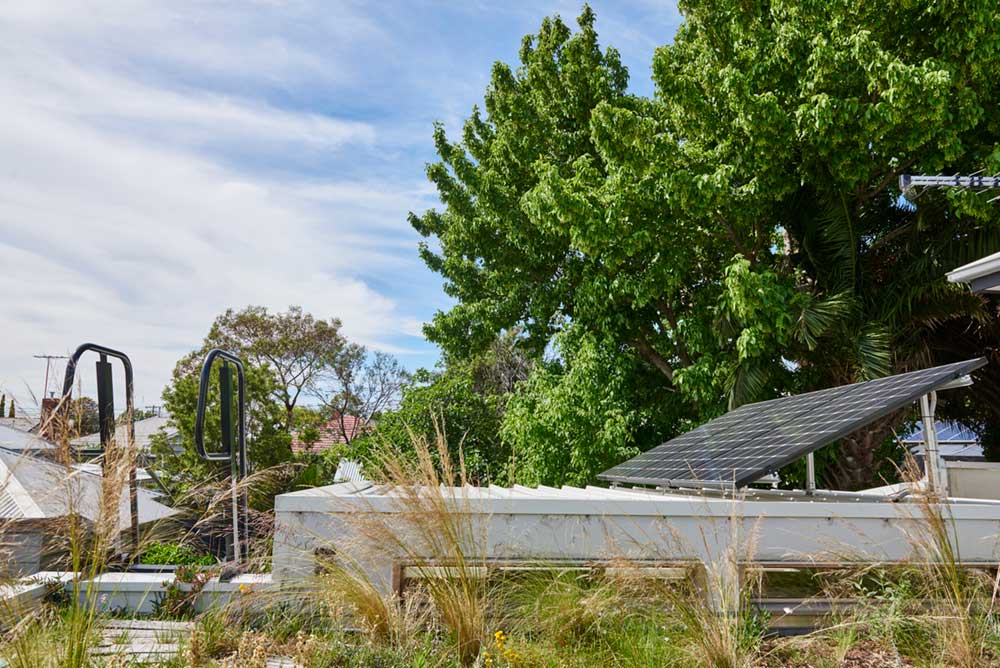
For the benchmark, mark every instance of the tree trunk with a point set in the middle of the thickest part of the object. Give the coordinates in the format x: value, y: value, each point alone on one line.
x: 855, y: 467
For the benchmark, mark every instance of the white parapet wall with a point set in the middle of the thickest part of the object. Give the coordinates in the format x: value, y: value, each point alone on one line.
x: 596, y: 524
x: 138, y: 593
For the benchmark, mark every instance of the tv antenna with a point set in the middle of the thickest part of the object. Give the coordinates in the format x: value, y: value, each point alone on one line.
x: 48, y: 363
x: 976, y: 182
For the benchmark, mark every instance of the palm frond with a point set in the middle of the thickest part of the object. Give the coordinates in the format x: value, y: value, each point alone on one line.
x: 872, y: 353
x: 747, y: 381
x: 819, y: 316
x: 836, y: 245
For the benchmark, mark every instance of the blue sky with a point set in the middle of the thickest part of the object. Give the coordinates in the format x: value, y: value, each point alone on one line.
x: 162, y: 161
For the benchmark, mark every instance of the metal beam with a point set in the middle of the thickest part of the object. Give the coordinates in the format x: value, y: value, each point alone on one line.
x: 937, y: 484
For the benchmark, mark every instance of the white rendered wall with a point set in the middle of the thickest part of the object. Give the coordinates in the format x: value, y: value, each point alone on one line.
x: 974, y: 480
x: 593, y: 524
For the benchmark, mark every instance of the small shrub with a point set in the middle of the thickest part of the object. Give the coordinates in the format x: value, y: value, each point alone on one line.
x: 178, y: 601
x: 175, y: 554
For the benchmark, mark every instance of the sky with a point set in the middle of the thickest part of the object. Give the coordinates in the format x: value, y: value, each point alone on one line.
x: 163, y: 161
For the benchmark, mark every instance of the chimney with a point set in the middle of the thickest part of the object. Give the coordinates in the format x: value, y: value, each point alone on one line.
x: 50, y: 422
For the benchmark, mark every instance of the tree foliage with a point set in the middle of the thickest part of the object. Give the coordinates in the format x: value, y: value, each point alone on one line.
x: 740, y: 235
x: 356, y: 389
x: 467, y: 398
x: 581, y: 412
x: 296, y: 347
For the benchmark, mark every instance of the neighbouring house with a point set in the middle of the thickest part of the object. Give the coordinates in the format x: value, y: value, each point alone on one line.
x: 337, y: 431
x: 956, y: 442
x: 25, y: 443
x: 145, y: 429
x: 20, y: 422
x: 983, y: 275
x: 36, y: 498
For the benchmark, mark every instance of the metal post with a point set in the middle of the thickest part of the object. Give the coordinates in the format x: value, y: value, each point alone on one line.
x: 936, y: 484
x: 810, y: 473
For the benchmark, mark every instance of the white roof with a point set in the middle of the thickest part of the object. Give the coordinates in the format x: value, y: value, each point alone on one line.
x: 22, y: 441
x: 620, y: 501
x: 983, y: 274
x: 348, y: 471
x: 144, y: 430
x: 20, y: 422
x: 32, y: 488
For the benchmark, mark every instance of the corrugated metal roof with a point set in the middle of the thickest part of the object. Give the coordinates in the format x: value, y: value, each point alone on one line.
x: 956, y: 442
x: 9, y: 510
x: 947, y: 432
x: 144, y: 431
x: 348, y: 471
x: 20, y: 441
x: 42, y: 489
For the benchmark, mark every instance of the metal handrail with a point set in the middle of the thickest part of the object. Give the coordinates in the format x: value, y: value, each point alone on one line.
x: 106, y: 413
x: 238, y: 459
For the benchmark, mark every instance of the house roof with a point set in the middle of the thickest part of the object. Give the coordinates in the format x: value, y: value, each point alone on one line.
x: 32, y: 488
x: 956, y: 442
x: 983, y: 274
x: 349, y: 471
x: 144, y: 431
x: 16, y: 440
x: 20, y: 422
x: 330, y: 434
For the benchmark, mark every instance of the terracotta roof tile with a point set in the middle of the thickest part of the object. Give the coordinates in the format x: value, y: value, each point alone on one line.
x: 332, y: 433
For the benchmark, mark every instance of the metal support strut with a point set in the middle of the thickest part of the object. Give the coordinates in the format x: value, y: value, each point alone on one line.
x: 237, y: 457
x: 106, y: 417
x: 810, y: 473
x: 936, y: 483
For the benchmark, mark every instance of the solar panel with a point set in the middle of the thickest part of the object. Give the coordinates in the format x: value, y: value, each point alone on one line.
x: 757, y: 439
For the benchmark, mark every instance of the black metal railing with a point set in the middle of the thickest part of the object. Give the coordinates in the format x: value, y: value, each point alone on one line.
x: 106, y: 418
x: 237, y: 457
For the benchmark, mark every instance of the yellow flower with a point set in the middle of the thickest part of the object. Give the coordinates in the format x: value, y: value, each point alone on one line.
x: 245, y: 588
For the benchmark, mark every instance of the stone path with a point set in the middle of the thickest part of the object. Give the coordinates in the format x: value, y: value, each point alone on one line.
x: 151, y: 641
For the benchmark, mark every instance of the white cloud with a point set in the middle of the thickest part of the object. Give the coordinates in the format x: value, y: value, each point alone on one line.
x: 162, y: 161
x: 123, y: 222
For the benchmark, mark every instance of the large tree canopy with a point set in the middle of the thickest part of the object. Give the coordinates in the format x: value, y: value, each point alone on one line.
x: 741, y: 234
x: 294, y: 345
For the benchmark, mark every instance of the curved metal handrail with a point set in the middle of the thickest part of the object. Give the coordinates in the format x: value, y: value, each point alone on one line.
x: 238, y: 459
x: 106, y: 413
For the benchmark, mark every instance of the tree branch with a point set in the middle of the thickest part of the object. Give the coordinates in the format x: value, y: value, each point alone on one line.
x: 682, y: 350
x: 749, y: 254
x: 647, y: 353
x: 889, y: 178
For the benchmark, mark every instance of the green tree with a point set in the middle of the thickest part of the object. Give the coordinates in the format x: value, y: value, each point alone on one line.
x: 742, y: 233
x: 12, y: 412
x: 296, y: 347
x: 582, y: 412
x: 3, y: 404
x: 468, y: 398
x: 84, y: 416
x: 268, y: 443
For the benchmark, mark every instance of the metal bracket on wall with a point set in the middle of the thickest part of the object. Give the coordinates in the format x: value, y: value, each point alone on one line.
x: 237, y: 457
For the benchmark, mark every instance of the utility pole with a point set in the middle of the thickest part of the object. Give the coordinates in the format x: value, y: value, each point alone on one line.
x: 48, y: 362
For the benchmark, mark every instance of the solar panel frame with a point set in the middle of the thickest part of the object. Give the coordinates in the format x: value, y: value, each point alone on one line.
x: 781, y: 431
